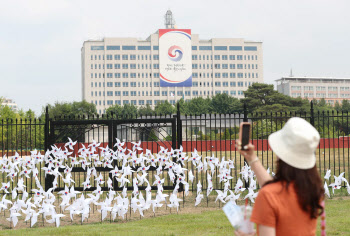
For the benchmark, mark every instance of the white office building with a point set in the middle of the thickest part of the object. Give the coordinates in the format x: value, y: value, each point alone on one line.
x: 330, y: 89
x: 10, y: 103
x: 129, y: 70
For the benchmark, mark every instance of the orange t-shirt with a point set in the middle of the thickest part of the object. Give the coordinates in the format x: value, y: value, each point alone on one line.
x: 278, y: 208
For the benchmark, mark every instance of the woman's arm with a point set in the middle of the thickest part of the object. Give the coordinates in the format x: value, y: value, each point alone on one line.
x: 266, y: 231
x: 259, y: 170
x: 263, y: 231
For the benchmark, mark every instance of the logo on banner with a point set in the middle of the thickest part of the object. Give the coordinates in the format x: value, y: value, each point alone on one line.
x: 175, y: 53
x: 175, y: 58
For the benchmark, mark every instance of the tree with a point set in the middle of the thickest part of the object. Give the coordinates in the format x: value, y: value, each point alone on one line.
x: 345, y: 106
x: 146, y: 111
x: 164, y: 108
x: 198, y: 106
x: 259, y: 95
x: 61, y: 109
x: 225, y: 104
x: 152, y: 136
x: 115, y: 110
x: 129, y: 110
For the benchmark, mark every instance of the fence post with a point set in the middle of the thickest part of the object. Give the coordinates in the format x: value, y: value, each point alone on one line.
x: 179, y: 126
x: 312, y: 117
x: 46, y: 136
x: 48, y: 178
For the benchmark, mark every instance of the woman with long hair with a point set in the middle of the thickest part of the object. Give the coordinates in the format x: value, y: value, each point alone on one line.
x: 290, y: 202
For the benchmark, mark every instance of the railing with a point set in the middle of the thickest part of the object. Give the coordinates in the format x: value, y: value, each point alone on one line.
x: 209, y: 134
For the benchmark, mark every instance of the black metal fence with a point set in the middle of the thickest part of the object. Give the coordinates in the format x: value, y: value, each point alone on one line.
x: 210, y: 134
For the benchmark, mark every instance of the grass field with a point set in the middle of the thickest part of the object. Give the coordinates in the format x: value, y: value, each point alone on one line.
x: 204, y: 221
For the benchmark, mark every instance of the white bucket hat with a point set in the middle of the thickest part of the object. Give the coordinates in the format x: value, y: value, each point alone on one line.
x: 296, y: 143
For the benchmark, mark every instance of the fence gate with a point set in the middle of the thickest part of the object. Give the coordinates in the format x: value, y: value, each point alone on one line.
x: 153, y: 132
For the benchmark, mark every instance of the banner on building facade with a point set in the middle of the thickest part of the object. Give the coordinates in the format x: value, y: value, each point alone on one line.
x: 175, y: 58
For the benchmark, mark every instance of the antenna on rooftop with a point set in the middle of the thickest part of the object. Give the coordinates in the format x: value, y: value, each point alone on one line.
x: 291, y: 73
x: 169, y: 20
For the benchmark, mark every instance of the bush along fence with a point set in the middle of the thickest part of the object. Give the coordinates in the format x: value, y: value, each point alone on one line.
x: 160, y: 157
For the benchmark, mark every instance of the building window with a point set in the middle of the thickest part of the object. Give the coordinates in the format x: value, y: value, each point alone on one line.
x: 235, y: 48
x: 194, y: 57
x: 308, y: 88
x: 295, y: 95
x: 194, y: 75
x: 233, y: 93
x: 116, y: 84
x: 232, y: 66
x: 224, y: 75
x: 156, y: 84
x: 217, y: 75
x: 195, y: 84
x: 155, y: 57
x: 195, y: 93
x: 156, y: 93
x: 217, y: 84
x: 233, y: 84
x: 125, y: 75
x: 216, y: 57
x: 250, y: 48
x: 239, y: 57
x: 224, y: 66
x: 117, y: 75
x: 97, y: 48
x: 240, y: 75
x: 116, y: 93
x: 239, y: 66
x: 220, y: 48
x: 113, y: 47
x: 295, y: 87
x: 109, y: 57
x: 205, y: 48
x: 125, y: 93
x: 308, y: 95
x: 132, y: 75
x: 125, y: 84
x: 224, y: 57
x: 132, y: 93
x: 129, y: 47
x: 116, y: 57
x: 125, y: 57
x: 194, y: 66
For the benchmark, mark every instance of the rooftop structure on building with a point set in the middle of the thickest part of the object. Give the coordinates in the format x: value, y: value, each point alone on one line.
x: 169, y: 65
x: 10, y: 103
x: 329, y: 88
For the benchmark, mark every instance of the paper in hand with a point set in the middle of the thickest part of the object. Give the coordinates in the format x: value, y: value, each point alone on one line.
x: 233, y: 213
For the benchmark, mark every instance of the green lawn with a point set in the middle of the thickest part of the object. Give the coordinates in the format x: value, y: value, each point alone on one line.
x: 212, y: 222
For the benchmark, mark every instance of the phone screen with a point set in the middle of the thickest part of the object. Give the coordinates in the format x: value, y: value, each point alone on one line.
x: 245, y: 135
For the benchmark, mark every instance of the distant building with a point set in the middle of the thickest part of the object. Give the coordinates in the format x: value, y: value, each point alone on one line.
x: 129, y: 70
x: 331, y: 89
x: 10, y: 103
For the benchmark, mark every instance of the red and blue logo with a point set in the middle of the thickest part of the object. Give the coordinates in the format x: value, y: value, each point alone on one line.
x: 175, y: 53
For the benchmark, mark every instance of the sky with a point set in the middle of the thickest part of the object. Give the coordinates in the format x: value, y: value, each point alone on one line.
x: 41, y: 40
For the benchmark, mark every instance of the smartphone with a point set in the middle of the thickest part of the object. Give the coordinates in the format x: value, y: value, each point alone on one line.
x: 244, y: 133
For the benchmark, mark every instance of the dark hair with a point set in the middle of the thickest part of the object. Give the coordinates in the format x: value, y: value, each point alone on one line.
x: 308, y: 186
